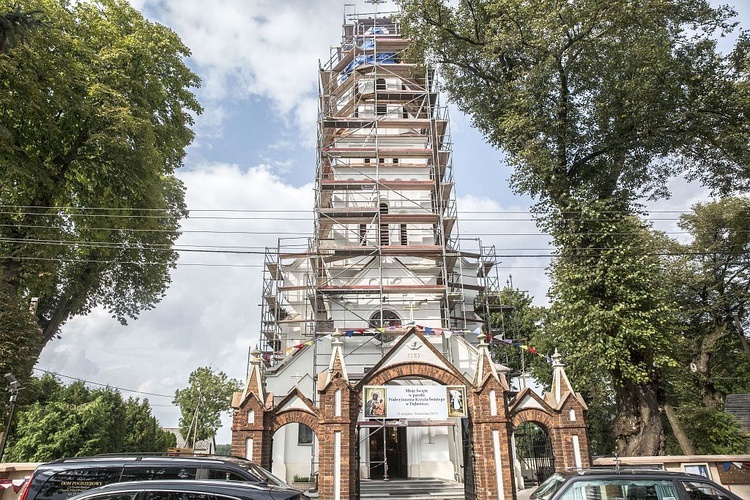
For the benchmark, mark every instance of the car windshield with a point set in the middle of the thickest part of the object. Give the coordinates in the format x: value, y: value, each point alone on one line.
x: 626, y: 487
x: 262, y: 474
x: 549, y: 487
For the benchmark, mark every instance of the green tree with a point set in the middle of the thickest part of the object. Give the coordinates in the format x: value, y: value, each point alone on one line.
x: 203, y: 401
x: 15, y: 25
x: 715, y: 295
x: 711, y: 432
x: 709, y: 279
x: 612, y: 319
x: 224, y: 450
x: 595, y: 99
x: 19, y: 341
x: 143, y: 431
x: 95, y: 116
x: 58, y: 421
x: 597, y: 105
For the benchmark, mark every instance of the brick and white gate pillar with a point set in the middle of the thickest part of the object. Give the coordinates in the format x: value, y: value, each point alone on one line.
x: 339, y: 408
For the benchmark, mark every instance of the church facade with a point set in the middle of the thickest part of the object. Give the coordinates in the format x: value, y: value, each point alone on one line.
x: 375, y: 361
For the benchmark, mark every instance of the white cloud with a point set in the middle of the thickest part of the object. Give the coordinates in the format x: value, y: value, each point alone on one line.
x: 259, y: 48
x: 210, y: 315
x: 521, y: 249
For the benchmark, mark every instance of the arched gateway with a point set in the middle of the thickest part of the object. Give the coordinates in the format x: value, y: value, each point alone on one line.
x: 492, y: 413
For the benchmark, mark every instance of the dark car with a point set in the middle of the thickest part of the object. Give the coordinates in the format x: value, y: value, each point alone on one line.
x: 66, y: 477
x: 627, y: 484
x: 188, y: 490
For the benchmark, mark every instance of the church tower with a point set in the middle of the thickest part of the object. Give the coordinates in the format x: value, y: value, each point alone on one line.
x: 385, y: 253
x: 374, y: 361
x: 384, y: 292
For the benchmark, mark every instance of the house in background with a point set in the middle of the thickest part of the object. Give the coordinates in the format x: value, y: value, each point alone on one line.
x: 202, y: 447
x: 739, y: 406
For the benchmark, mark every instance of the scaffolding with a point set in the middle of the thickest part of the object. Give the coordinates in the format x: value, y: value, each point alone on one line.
x: 386, y: 250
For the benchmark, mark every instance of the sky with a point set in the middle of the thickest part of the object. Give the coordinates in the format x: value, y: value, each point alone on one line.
x: 249, y: 179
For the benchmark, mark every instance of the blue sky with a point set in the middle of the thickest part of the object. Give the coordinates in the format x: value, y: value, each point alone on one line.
x: 253, y: 154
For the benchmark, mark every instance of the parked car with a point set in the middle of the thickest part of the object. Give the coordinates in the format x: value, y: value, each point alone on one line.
x: 188, y: 490
x: 627, y: 484
x: 60, y: 479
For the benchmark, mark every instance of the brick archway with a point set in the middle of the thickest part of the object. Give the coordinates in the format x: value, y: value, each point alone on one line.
x: 493, y: 412
x: 537, y: 416
x: 487, y: 463
x: 254, y: 423
x: 564, y: 424
x: 412, y: 369
x: 540, y: 457
x: 277, y: 420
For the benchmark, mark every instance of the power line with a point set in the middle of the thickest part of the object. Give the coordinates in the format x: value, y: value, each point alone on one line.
x: 126, y: 262
x: 529, y: 216
x: 307, y: 234
x: 274, y: 210
x: 56, y: 374
x: 499, y: 256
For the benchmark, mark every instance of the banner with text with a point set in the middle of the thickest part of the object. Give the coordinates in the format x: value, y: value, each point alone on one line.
x: 414, y: 401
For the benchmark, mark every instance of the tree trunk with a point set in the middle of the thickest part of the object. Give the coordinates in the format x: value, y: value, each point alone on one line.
x: 712, y: 398
x: 638, y: 425
x: 679, y: 433
x: 743, y: 338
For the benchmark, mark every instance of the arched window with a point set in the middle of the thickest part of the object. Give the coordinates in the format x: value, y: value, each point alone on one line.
x: 304, y: 434
x: 384, y: 318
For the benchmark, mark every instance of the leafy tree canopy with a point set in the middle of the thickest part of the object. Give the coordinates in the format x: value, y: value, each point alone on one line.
x: 56, y: 421
x: 613, y: 320
x: 513, y: 316
x: 95, y: 116
x: 19, y: 340
x: 14, y: 25
x: 203, y: 401
x: 712, y: 285
x: 595, y: 99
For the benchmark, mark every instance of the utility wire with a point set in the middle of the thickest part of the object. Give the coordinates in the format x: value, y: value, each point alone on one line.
x: 246, y: 210
x: 56, y: 374
x: 307, y: 234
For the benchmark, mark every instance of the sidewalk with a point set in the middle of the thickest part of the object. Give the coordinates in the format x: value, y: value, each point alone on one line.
x: 524, y: 494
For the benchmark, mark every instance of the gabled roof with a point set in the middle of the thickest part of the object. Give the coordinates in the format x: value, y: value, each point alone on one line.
x: 336, y: 365
x: 527, y: 399
x: 561, y: 388
x: 295, y: 400
x: 401, y: 352
x: 254, y: 382
x: 485, y: 367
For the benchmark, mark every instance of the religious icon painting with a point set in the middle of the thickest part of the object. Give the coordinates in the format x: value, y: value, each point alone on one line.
x: 456, y: 398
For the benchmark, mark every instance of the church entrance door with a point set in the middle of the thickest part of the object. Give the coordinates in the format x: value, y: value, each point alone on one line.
x: 388, y: 453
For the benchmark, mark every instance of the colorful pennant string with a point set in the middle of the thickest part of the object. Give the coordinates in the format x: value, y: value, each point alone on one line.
x: 426, y: 329
x: 525, y: 347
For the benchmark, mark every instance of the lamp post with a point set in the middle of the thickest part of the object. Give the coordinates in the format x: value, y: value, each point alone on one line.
x: 13, y: 387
